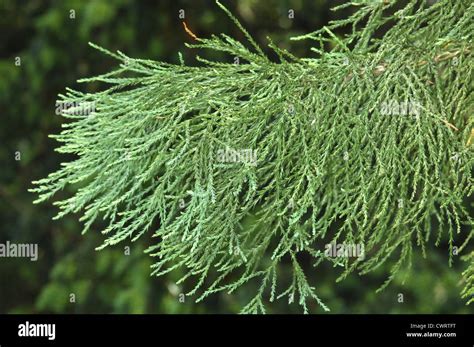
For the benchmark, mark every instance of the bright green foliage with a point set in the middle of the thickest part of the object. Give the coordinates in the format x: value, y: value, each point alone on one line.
x: 468, y: 275
x: 335, y: 161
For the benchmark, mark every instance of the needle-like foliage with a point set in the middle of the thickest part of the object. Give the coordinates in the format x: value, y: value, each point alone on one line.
x: 236, y: 168
x: 468, y: 276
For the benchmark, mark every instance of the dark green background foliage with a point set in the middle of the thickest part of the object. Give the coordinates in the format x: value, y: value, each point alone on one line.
x: 54, y: 54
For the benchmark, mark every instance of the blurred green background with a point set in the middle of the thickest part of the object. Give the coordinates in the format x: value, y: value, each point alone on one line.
x: 50, y: 39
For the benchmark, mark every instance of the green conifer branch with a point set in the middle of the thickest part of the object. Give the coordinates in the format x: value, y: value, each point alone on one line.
x: 336, y: 161
x: 468, y: 276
